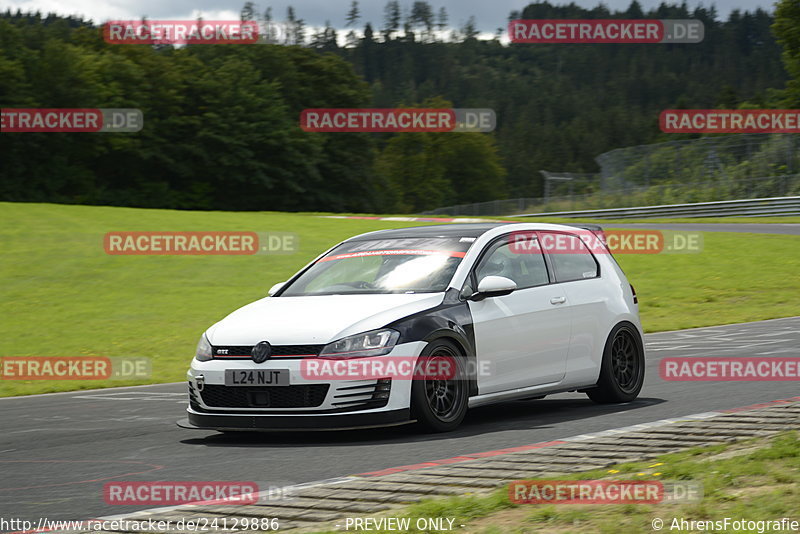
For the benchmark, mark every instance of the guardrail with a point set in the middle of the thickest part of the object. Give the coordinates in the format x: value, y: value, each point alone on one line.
x: 756, y: 207
x: 783, y: 185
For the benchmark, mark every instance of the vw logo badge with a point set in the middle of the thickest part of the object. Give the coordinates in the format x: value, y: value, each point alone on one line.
x: 261, y: 352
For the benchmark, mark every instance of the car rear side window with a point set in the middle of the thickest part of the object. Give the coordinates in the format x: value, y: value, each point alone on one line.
x: 570, y: 257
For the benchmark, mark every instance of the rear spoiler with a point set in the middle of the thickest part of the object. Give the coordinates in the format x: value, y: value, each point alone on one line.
x: 596, y: 229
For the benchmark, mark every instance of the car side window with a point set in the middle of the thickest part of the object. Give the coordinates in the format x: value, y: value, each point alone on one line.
x: 518, y: 258
x: 467, y: 290
x: 570, y: 257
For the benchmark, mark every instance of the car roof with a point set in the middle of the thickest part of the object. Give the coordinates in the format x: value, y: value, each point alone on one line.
x: 434, y: 230
x: 447, y: 230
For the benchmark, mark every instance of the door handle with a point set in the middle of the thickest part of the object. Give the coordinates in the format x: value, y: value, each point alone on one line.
x: 558, y: 300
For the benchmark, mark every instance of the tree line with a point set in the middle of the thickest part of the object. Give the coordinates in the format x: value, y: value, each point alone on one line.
x: 222, y: 121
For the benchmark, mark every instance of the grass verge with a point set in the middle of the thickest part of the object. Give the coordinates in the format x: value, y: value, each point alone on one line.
x: 63, y: 296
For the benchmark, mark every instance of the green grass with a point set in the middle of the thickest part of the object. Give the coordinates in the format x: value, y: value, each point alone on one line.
x: 63, y: 296
x: 736, y: 278
x: 752, y: 480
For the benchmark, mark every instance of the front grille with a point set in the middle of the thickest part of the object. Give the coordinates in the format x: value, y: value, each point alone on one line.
x: 299, y: 396
x: 233, y: 351
x: 285, y: 351
x: 296, y: 350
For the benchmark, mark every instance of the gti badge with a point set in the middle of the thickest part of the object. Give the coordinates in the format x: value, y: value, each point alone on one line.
x: 261, y: 352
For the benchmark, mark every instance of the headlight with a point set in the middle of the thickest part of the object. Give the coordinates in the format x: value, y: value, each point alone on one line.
x: 204, y: 350
x: 374, y: 343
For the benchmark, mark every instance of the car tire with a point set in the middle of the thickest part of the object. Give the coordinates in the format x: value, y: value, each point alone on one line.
x: 440, y: 405
x: 622, y: 369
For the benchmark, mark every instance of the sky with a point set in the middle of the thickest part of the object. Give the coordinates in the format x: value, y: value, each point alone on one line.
x: 489, y: 15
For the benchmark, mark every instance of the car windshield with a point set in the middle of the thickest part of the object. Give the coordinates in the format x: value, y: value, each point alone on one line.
x: 408, y: 265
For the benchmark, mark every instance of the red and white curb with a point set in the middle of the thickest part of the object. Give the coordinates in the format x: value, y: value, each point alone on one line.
x: 457, y: 459
x: 581, y: 437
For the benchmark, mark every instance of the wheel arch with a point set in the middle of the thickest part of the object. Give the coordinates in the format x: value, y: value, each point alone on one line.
x: 463, y: 346
x: 452, y: 320
x: 636, y: 328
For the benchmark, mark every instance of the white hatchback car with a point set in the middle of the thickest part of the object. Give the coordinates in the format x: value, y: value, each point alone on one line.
x: 522, y: 310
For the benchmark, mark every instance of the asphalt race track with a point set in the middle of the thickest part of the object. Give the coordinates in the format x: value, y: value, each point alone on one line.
x: 56, y: 451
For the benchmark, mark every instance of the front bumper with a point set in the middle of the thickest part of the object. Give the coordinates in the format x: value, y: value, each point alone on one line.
x: 277, y: 423
x: 306, y: 404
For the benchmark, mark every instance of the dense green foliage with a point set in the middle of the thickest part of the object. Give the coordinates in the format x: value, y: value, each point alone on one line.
x: 560, y: 106
x: 222, y: 128
x: 221, y: 124
x: 787, y: 28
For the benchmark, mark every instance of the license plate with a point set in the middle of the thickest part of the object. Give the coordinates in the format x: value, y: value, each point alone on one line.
x: 256, y: 377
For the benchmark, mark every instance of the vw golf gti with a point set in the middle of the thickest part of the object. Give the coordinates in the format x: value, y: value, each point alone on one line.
x: 420, y: 324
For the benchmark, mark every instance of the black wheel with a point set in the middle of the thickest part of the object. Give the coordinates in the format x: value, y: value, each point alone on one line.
x: 439, y: 401
x: 622, y: 370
